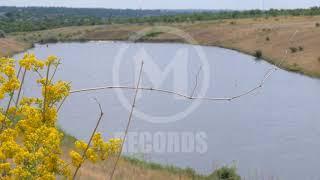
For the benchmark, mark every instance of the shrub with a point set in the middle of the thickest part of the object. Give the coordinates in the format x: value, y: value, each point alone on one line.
x: 268, y: 38
x: 319, y: 59
x: 301, y: 48
x: 48, y: 40
x: 266, y: 29
x: 317, y: 24
x: 293, y: 49
x: 152, y: 34
x: 2, y: 34
x: 294, y: 67
x: 233, y: 22
x: 225, y: 173
x: 258, y: 54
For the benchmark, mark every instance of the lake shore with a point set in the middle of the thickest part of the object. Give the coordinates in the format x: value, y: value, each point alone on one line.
x: 289, y: 42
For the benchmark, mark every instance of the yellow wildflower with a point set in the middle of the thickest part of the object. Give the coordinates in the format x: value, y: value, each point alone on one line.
x: 81, y: 145
x: 76, y: 158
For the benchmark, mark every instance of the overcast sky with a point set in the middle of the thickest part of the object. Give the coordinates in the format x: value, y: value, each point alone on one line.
x: 167, y: 4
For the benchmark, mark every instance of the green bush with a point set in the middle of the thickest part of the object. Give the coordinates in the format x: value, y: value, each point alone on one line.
x: 258, y: 54
x: 2, y: 34
x: 48, y: 40
x: 301, y: 48
x: 152, y: 34
x: 225, y: 173
x: 293, y: 49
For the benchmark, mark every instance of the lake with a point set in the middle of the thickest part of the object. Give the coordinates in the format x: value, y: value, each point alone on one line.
x: 272, y: 132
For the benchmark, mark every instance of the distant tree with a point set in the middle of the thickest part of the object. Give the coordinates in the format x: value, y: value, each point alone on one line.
x: 258, y: 54
x: 2, y: 34
x: 301, y: 48
x: 20, y: 19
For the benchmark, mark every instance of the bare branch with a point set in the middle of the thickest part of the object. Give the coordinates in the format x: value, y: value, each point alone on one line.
x: 129, y: 122
x: 39, y: 74
x: 172, y: 92
x: 196, y: 82
x: 62, y: 102
x: 55, y: 70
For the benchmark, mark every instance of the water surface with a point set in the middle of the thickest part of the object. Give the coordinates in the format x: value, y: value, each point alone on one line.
x: 273, y: 132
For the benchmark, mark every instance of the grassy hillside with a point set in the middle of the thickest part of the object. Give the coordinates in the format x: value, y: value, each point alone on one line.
x: 135, y: 169
x: 299, y: 36
x: 129, y: 168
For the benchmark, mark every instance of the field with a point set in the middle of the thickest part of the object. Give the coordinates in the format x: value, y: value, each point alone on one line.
x: 299, y: 36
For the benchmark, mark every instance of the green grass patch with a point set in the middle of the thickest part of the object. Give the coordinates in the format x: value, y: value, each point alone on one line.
x: 295, y: 68
x: 152, y: 34
x: 68, y: 140
x: 258, y: 54
x: 224, y: 173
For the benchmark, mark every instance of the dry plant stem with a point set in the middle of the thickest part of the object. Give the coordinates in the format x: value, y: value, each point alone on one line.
x: 169, y: 92
x: 45, y: 93
x: 89, y: 143
x: 55, y: 70
x: 64, y: 99
x: 196, y: 82
x: 129, y: 122
x: 39, y: 74
x: 20, y: 89
x: 19, y: 71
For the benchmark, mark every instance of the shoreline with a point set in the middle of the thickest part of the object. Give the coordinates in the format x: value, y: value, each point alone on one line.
x: 170, y: 41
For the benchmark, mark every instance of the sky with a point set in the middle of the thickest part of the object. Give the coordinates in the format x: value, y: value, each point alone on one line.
x: 168, y: 4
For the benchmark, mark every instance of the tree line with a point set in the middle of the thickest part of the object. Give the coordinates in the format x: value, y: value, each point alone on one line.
x: 20, y: 19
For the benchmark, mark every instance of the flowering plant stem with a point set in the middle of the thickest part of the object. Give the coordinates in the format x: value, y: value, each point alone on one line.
x: 90, y: 140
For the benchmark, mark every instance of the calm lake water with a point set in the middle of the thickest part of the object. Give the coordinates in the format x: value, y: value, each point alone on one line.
x: 273, y: 132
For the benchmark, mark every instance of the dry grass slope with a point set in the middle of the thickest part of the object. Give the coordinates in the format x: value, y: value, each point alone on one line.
x: 129, y: 168
x: 9, y: 46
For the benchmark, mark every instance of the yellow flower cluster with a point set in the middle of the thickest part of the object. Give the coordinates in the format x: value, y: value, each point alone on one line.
x: 8, y: 80
x: 29, y: 61
x: 99, y: 150
x: 30, y: 143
